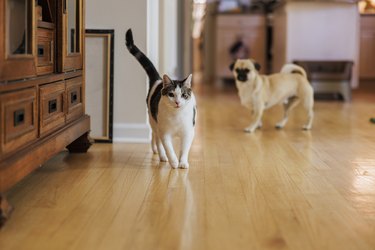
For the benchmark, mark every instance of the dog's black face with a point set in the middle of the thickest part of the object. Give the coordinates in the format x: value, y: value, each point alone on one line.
x: 242, y: 74
x: 244, y: 69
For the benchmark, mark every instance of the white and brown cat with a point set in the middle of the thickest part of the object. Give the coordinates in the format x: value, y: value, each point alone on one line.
x: 172, y: 110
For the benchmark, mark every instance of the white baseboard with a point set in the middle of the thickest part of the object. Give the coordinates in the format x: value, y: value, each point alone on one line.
x: 131, y: 132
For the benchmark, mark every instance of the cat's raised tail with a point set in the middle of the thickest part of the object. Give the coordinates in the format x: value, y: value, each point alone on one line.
x: 152, y: 73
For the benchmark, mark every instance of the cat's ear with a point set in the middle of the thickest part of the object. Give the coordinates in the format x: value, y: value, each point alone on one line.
x: 187, y: 81
x: 166, y: 80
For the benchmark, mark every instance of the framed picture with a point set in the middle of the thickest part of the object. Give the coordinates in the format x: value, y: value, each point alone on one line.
x: 99, y: 82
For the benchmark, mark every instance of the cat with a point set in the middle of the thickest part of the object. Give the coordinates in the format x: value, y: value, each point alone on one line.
x: 172, y: 110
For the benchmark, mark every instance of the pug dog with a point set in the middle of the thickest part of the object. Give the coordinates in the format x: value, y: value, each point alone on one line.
x: 258, y: 92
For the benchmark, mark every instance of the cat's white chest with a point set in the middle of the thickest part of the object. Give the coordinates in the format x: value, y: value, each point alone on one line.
x: 176, y: 121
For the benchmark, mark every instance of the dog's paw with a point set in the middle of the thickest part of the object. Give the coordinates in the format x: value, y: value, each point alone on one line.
x: 279, y: 126
x: 184, y: 165
x: 306, y: 127
x: 249, y: 130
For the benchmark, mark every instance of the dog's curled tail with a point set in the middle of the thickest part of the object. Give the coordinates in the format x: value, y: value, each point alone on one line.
x: 291, y: 68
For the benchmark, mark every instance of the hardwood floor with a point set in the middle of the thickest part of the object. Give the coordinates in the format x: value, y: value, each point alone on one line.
x: 274, y: 189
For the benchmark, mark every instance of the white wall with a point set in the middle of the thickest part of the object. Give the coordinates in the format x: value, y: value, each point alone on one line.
x: 210, y: 43
x: 317, y: 31
x: 130, y: 80
x: 168, y: 20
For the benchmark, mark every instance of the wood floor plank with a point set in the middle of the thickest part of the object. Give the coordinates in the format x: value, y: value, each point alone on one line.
x: 273, y: 189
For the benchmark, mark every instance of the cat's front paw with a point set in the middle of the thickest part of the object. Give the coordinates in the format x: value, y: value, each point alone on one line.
x: 154, y: 150
x: 184, y: 165
x: 174, y: 164
x: 163, y: 158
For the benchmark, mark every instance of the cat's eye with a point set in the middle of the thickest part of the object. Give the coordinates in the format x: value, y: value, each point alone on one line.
x: 170, y: 94
x: 247, y: 71
x: 185, y: 96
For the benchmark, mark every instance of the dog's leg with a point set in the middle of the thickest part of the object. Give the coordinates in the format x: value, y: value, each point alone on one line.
x: 257, y: 116
x: 292, y: 102
x: 308, y: 125
x: 308, y: 105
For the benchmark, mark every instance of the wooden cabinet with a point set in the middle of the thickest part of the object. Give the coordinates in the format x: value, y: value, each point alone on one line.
x: 250, y: 29
x: 367, y: 47
x: 41, y: 84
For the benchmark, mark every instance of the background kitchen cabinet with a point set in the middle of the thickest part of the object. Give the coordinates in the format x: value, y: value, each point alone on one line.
x: 231, y: 28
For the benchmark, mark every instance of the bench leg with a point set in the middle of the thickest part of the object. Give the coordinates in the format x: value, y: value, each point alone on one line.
x: 81, y: 144
x: 5, y: 210
x: 346, y: 92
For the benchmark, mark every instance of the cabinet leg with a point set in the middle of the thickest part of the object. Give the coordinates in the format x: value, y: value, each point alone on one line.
x: 5, y: 210
x: 81, y: 144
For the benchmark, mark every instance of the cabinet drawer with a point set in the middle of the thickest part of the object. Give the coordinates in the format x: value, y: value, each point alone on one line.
x: 18, y: 112
x: 74, y: 98
x: 52, y: 115
x: 45, y: 48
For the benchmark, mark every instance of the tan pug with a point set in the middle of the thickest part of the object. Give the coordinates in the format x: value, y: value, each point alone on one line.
x: 259, y: 92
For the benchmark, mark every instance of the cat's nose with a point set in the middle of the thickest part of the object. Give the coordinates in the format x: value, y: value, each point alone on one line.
x: 177, y: 103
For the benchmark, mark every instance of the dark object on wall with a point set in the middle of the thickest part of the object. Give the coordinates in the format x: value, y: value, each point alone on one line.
x: 329, y: 78
x: 239, y: 50
x: 99, y: 93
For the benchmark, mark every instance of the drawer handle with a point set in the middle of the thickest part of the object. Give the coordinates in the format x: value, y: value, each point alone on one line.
x: 52, y: 106
x: 73, y: 97
x: 19, y: 117
x: 40, y: 50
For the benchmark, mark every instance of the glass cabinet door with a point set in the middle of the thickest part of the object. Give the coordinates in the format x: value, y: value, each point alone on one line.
x: 18, y: 28
x: 71, y: 29
x: 17, y: 57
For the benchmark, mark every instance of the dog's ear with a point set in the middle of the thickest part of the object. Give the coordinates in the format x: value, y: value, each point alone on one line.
x: 231, y: 66
x: 257, y: 66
